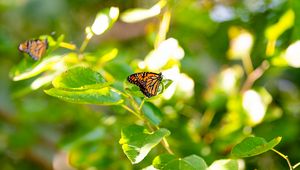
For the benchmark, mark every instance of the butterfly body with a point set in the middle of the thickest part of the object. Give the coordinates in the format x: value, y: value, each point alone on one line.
x: 148, y: 82
x: 35, y: 48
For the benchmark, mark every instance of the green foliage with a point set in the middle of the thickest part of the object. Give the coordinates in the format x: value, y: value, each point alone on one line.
x: 230, y: 71
x: 252, y: 146
x: 79, y: 78
x: 137, y: 142
x: 103, y: 96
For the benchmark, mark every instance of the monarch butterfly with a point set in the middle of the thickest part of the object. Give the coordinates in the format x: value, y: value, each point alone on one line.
x: 35, y: 48
x: 148, y: 82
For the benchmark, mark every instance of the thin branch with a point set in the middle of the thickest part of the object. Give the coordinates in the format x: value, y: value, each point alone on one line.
x: 139, y: 113
x: 142, y: 103
x: 167, y: 146
x: 120, y: 92
x: 247, y: 64
x: 133, y: 112
x: 165, y: 143
x: 295, y: 166
x: 284, y: 157
x: 254, y: 75
x: 85, y: 42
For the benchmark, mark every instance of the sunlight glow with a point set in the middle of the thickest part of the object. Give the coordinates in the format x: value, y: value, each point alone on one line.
x: 142, y: 65
x: 167, y: 50
x: 254, y: 106
x: 114, y: 13
x: 100, y: 24
x: 103, y: 21
x: 139, y: 14
x: 292, y: 54
x: 186, y: 85
x: 240, y: 44
x: 181, y: 82
x: 45, y: 63
x: 222, y: 164
x: 39, y: 82
x: 229, y: 77
x: 173, y: 74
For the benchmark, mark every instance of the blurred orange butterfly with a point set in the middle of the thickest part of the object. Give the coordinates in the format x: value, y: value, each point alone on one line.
x: 35, y: 48
x: 148, y: 82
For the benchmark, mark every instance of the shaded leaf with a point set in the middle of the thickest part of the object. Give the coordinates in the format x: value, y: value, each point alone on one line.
x: 137, y: 141
x: 152, y: 113
x: 161, y: 160
x: 192, y: 162
x: 252, y: 146
x: 102, y: 96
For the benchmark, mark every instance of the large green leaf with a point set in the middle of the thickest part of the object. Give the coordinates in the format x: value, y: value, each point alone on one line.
x: 192, y: 162
x: 137, y: 141
x: 102, y: 96
x: 224, y: 164
x: 252, y: 146
x: 80, y: 78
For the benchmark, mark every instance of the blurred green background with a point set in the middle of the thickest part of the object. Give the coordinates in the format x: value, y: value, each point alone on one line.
x: 235, y: 71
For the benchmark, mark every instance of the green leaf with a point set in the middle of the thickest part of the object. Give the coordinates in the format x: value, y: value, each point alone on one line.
x: 252, y: 146
x: 166, y: 83
x: 80, y: 78
x: 192, y: 162
x: 161, y: 160
x: 137, y: 141
x: 152, y: 113
x: 224, y: 164
x: 102, y: 96
x: 28, y: 68
x: 108, y: 56
x: 132, y: 89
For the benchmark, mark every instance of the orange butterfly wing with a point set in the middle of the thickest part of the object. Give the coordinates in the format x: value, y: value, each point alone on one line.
x: 148, y: 82
x: 35, y: 48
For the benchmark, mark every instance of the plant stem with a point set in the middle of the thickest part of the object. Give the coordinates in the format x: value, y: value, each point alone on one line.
x: 139, y: 113
x: 254, y: 75
x: 247, y: 64
x: 85, y: 42
x: 295, y: 166
x: 284, y: 157
x: 142, y: 103
x: 133, y: 112
x: 165, y: 143
x: 120, y: 92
